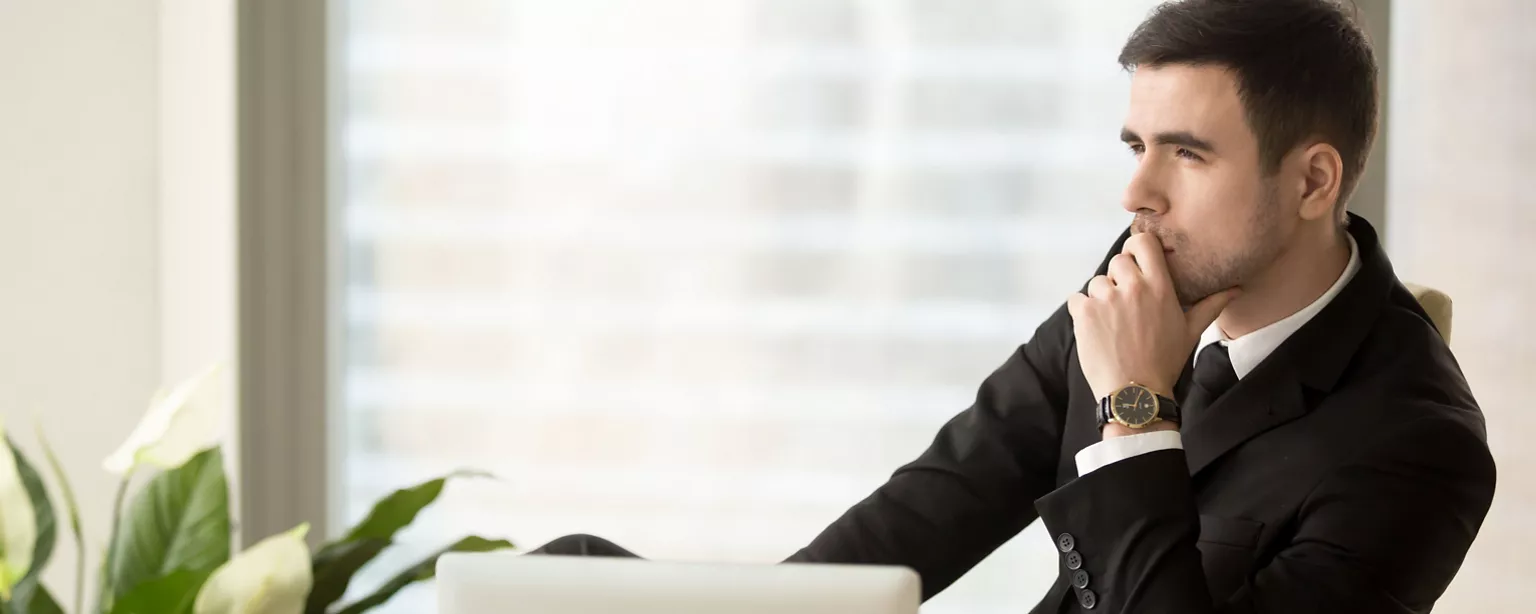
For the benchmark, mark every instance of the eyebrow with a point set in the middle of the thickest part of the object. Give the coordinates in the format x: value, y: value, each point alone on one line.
x: 1179, y: 138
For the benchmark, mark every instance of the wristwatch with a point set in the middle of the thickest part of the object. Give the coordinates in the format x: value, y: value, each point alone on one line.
x: 1136, y: 406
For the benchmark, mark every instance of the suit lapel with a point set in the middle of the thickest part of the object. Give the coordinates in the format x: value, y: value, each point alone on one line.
x: 1311, y: 359
x: 1267, y: 398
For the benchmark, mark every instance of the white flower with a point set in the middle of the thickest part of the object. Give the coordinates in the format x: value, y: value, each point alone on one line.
x: 18, y: 524
x: 180, y: 423
x: 271, y: 577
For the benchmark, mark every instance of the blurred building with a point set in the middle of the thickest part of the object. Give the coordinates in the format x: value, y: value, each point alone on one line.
x: 697, y: 276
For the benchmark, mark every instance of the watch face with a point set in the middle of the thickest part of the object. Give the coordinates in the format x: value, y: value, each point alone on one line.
x: 1135, y: 406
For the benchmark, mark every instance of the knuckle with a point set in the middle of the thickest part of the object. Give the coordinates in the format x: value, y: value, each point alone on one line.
x: 1078, y: 306
x: 1134, y: 289
x: 1103, y: 291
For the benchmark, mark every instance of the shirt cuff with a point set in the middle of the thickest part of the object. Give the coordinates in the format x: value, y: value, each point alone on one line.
x: 1121, y: 448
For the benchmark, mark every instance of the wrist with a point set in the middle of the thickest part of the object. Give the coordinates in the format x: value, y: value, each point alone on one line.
x: 1115, y: 429
x: 1156, y: 386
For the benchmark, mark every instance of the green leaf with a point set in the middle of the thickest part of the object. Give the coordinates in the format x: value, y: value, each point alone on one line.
x: 74, y: 516
x: 172, y: 594
x: 400, y: 508
x: 334, y: 567
x: 424, y: 570
x: 179, y: 520
x: 43, y: 603
x: 29, y: 587
x: 339, y: 561
x: 104, y: 592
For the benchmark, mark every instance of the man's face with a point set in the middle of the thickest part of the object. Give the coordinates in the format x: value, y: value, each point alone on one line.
x: 1198, y: 184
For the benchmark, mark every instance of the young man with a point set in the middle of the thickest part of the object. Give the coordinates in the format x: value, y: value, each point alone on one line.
x: 1244, y: 411
x: 1318, y: 449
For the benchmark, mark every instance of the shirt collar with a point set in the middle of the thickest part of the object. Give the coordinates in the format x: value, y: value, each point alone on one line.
x: 1251, y: 349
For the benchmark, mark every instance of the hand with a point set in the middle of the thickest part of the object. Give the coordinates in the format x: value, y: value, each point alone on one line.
x: 1130, y: 328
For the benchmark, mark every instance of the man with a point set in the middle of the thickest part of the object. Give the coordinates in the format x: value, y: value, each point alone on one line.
x: 1244, y: 411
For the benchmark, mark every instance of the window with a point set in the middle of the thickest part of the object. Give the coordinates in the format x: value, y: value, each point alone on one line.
x: 697, y: 276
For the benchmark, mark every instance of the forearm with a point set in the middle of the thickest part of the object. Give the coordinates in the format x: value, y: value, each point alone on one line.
x: 1114, y: 430
x: 1135, y: 526
x: 1382, y: 534
x: 972, y: 489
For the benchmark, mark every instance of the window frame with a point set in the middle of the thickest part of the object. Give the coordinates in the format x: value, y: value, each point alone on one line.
x: 286, y: 352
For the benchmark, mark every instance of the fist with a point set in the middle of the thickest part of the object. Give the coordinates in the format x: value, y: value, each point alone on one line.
x: 1130, y: 327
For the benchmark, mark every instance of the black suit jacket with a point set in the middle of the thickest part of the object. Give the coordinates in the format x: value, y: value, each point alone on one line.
x: 1348, y: 472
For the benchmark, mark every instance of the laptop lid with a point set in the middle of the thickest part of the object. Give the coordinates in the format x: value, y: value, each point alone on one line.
x: 490, y: 583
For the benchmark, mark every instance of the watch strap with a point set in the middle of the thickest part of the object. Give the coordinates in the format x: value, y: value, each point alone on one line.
x: 1167, y: 409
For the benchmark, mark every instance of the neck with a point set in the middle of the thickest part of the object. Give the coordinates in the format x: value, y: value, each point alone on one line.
x: 1296, y: 278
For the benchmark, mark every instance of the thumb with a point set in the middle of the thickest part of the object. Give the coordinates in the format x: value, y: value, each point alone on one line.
x: 1200, y: 316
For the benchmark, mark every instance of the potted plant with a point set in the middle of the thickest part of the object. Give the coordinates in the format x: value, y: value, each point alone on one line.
x: 170, y: 547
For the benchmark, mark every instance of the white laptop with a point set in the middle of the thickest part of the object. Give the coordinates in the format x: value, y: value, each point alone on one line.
x: 496, y: 582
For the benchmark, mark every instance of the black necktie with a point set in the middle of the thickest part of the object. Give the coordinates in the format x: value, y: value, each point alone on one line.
x: 1212, y: 378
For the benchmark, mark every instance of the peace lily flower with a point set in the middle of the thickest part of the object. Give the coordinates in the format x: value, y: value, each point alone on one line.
x: 271, y: 577
x: 18, y: 525
x: 181, y: 422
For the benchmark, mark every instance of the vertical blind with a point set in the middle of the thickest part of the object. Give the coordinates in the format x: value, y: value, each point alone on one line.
x: 696, y: 276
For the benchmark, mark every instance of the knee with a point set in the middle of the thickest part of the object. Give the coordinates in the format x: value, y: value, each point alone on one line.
x: 582, y: 545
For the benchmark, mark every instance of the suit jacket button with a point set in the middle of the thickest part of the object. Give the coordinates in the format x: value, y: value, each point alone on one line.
x: 1080, y: 579
x: 1074, y: 560
x: 1087, y: 599
x: 1065, y: 542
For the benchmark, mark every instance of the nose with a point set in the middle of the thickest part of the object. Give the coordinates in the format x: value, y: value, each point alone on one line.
x: 1144, y: 194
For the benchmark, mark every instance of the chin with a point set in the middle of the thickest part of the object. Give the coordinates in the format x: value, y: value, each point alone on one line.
x: 1192, y: 291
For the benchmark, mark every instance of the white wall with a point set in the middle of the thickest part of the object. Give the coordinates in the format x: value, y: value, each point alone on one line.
x: 79, y: 278
x: 197, y: 194
x: 1462, y: 211
x: 116, y: 224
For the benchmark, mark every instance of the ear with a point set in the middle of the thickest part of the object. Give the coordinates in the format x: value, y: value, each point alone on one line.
x: 1322, y: 172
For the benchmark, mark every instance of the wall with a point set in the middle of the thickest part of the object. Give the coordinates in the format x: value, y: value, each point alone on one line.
x: 1462, y: 209
x: 79, y: 280
x: 197, y: 194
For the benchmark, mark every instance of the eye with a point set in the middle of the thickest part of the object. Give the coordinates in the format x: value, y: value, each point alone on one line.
x: 1137, y: 149
x: 1188, y: 155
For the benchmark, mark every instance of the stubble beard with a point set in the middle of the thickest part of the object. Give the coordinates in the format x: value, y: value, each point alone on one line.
x: 1197, y: 272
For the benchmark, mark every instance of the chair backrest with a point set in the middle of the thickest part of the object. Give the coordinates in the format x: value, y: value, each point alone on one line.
x: 1435, y: 303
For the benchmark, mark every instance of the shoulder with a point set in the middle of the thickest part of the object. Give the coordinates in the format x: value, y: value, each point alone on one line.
x: 1405, y: 360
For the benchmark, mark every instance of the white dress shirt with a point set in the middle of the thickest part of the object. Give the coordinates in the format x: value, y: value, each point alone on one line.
x: 1246, y: 353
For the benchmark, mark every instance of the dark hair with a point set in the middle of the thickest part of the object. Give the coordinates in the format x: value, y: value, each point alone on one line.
x: 1304, y: 70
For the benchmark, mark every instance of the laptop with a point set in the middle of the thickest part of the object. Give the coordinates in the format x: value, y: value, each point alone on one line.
x: 496, y: 582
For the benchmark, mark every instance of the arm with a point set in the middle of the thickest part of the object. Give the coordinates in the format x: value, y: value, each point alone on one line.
x: 973, y: 488
x: 1385, y: 533
x: 1115, y: 449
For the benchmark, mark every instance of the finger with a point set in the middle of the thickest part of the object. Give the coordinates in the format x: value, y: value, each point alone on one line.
x: 1100, y: 287
x: 1075, y: 303
x: 1200, y: 316
x: 1148, y: 252
x: 1123, y: 270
